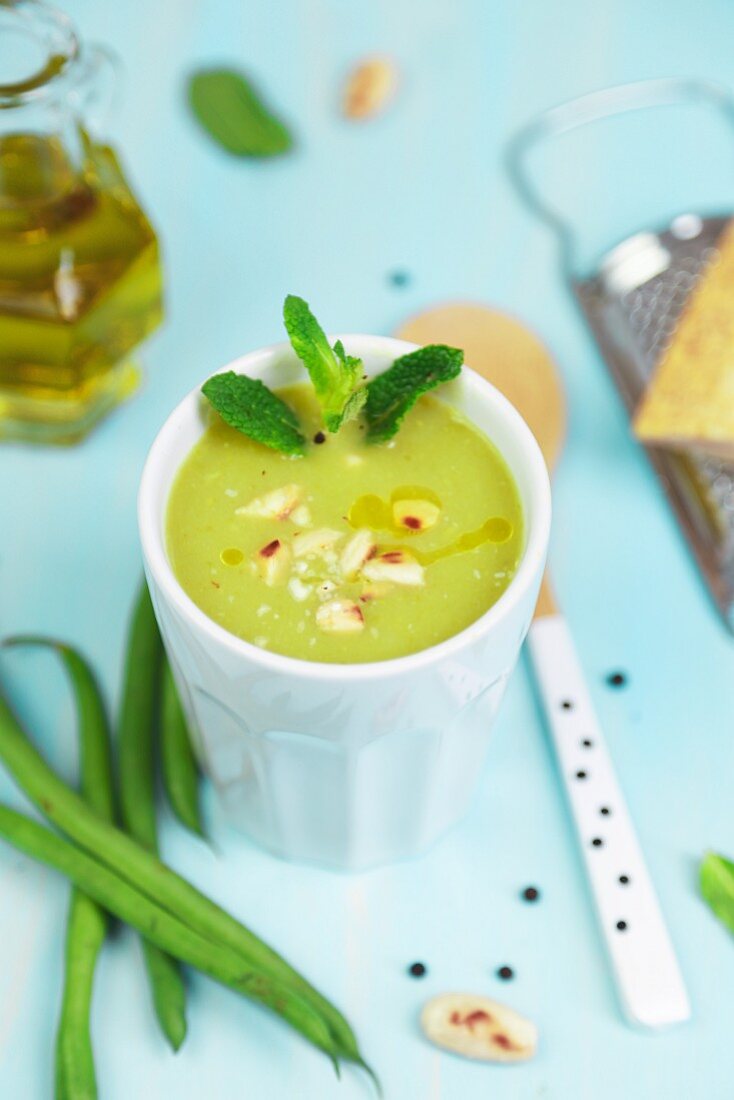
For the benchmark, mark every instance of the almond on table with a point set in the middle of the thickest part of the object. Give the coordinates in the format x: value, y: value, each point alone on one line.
x: 476, y: 1027
x: 370, y: 87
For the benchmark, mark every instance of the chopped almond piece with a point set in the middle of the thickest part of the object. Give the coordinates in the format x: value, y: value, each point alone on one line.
x: 375, y: 590
x: 273, y: 561
x: 298, y: 590
x: 275, y: 505
x: 397, y: 566
x: 360, y: 548
x: 301, y: 516
x: 340, y: 617
x: 415, y: 515
x: 314, y: 542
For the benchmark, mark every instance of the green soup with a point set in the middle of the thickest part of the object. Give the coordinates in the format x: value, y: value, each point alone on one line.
x: 355, y: 552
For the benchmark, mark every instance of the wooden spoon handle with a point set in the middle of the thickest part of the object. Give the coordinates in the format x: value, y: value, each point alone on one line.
x: 546, y: 604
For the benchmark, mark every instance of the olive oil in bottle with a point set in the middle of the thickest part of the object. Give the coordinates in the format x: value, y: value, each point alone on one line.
x: 80, y: 278
x: 80, y: 286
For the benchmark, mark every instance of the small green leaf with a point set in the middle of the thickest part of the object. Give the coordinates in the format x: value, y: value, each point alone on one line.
x: 392, y: 394
x: 717, y: 886
x: 354, y: 405
x: 249, y: 406
x: 230, y: 110
x: 334, y: 374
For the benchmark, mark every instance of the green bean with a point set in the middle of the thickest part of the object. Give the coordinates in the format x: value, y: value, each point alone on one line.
x: 141, y: 868
x: 180, y: 773
x: 163, y: 929
x: 136, y: 722
x: 137, y: 793
x: 95, y: 751
x: 86, y: 923
x: 85, y: 933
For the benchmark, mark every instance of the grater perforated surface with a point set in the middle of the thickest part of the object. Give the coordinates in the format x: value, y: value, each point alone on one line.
x: 633, y: 304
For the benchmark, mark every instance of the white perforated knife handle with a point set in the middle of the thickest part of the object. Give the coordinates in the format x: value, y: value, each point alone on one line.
x: 646, y: 970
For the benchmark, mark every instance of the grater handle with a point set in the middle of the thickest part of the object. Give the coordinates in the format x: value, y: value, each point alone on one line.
x: 649, y: 981
x: 592, y: 108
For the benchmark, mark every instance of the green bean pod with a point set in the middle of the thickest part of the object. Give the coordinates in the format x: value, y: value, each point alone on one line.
x: 180, y: 772
x: 168, y: 992
x: 161, y: 928
x: 137, y: 793
x: 86, y: 929
x: 149, y: 875
x: 86, y: 923
x: 136, y: 722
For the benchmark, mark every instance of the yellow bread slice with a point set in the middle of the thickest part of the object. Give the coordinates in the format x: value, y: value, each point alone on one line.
x: 690, y: 400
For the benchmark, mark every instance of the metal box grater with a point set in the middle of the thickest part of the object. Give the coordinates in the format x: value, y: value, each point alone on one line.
x: 632, y: 303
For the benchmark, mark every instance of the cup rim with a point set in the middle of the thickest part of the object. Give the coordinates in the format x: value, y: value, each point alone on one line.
x: 531, y: 564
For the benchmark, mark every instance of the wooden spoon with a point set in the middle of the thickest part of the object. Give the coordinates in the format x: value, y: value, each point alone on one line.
x: 646, y: 970
x: 514, y: 360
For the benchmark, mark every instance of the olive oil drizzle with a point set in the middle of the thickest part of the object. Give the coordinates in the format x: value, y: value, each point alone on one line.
x: 376, y: 514
x: 496, y: 529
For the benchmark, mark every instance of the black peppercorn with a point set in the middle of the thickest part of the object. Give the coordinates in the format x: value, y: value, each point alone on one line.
x: 399, y: 278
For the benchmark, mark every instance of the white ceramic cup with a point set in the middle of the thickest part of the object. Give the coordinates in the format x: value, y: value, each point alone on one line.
x: 358, y: 764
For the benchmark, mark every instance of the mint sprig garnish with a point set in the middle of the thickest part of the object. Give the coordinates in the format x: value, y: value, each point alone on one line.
x: 334, y: 374
x: 392, y: 394
x: 249, y: 406
x: 230, y: 110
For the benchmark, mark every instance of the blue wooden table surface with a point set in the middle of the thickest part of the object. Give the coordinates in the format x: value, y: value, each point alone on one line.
x: 422, y: 191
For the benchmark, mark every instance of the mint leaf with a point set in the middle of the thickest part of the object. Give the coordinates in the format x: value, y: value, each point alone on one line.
x: 392, y: 394
x: 230, y: 110
x: 356, y: 400
x: 354, y: 405
x: 334, y: 374
x: 349, y: 362
x: 717, y: 887
x: 249, y: 406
